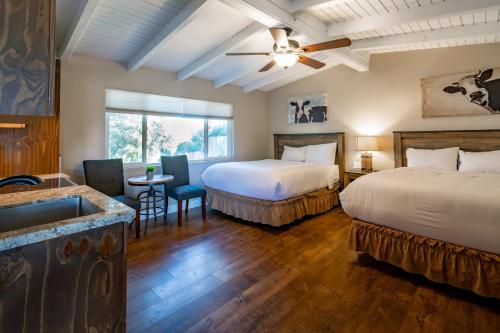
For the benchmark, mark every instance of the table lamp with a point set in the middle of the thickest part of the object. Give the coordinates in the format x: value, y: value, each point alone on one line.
x: 366, y: 144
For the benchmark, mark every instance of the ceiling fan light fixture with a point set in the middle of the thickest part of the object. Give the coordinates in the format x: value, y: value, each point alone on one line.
x: 286, y: 60
x: 286, y: 52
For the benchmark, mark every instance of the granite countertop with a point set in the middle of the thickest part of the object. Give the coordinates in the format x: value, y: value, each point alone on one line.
x: 112, y: 212
x: 54, y: 175
x: 52, y: 180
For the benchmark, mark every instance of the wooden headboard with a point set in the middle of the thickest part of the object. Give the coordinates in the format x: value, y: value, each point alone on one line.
x: 305, y: 139
x: 471, y: 140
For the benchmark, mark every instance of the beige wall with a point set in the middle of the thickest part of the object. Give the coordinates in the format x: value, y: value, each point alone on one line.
x: 83, y: 83
x: 384, y: 99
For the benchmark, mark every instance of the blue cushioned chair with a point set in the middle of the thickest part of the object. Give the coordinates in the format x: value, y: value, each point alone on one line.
x: 106, y: 176
x: 180, y: 189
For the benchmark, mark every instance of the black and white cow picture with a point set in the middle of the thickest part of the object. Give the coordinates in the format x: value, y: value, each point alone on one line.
x: 307, y: 110
x: 317, y: 114
x: 479, y: 89
x: 305, y: 114
x: 300, y: 114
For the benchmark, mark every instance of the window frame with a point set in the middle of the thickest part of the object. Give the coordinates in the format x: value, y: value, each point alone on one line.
x: 230, y: 133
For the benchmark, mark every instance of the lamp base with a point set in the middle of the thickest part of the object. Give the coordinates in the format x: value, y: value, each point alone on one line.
x: 366, y: 162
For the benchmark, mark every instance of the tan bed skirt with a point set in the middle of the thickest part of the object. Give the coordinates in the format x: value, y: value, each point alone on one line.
x: 439, y: 261
x: 275, y: 213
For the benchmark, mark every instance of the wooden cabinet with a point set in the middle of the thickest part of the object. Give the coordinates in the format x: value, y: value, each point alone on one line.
x: 74, y: 283
x: 354, y: 174
x: 28, y: 80
x: 26, y: 57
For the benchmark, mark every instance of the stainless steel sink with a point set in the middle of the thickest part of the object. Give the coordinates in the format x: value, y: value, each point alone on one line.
x: 30, y: 215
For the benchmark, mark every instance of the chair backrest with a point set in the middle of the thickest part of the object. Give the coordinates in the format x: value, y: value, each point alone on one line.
x: 105, y: 176
x: 176, y: 166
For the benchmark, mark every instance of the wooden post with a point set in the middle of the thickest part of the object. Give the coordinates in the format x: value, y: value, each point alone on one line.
x: 204, y: 207
x: 138, y: 223
x: 179, y: 212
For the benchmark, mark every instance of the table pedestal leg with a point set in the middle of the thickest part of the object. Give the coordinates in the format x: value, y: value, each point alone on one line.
x: 165, y: 208
x: 150, y: 197
x: 147, y: 215
x: 153, y: 194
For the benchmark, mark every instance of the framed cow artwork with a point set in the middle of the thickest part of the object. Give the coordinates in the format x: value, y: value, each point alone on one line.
x: 305, y: 109
x: 467, y: 94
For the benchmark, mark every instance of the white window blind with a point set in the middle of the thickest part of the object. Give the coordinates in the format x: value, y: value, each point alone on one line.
x: 142, y: 102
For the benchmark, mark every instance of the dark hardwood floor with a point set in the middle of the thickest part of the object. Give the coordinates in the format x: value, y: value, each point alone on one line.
x: 225, y: 275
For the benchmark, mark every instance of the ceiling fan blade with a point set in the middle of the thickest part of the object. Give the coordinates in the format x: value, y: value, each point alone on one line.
x: 332, y: 44
x: 280, y: 37
x: 247, y: 53
x: 268, y: 66
x: 311, y: 62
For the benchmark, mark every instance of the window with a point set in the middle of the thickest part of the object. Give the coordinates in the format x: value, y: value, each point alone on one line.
x: 175, y: 136
x: 218, y: 138
x: 202, y: 130
x: 125, y: 137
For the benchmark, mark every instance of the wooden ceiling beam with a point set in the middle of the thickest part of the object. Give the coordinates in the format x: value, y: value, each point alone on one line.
x: 272, y: 15
x: 219, y: 51
x: 234, y: 76
x: 77, y: 28
x: 411, y: 15
x: 301, y: 5
x: 179, y: 22
x: 286, y: 80
x: 294, y: 73
x: 462, y: 32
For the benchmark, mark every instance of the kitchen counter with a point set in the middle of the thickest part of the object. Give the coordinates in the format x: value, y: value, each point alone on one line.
x: 71, y: 273
x: 112, y: 212
x: 53, y: 180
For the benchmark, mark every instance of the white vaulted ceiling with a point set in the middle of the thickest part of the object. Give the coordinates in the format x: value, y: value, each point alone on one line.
x: 197, y: 38
x: 190, y: 37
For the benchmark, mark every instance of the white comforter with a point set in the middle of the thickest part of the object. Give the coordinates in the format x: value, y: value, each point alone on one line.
x: 458, y: 207
x: 270, y: 179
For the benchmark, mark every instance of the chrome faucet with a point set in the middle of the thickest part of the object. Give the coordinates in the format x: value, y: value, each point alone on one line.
x: 20, y: 180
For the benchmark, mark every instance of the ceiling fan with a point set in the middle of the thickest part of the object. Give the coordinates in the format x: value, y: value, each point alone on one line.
x: 286, y: 52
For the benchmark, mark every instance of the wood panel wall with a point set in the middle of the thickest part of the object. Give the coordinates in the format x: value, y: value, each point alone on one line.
x: 35, y: 148
x: 74, y: 283
x: 26, y: 57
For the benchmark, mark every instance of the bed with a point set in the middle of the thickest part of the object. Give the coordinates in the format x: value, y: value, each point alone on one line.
x: 276, y: 192
x: 444, y: 225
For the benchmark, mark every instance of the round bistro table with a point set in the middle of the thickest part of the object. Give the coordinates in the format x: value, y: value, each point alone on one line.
x: 151, y: 196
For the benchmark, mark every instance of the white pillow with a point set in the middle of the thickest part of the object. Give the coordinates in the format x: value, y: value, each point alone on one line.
x: 486, y: 162
x: 442, y: 159
x: 297, y: 154
x: 324, y: 153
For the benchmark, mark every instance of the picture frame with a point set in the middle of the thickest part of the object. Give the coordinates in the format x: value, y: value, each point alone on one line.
x: 307, y: 108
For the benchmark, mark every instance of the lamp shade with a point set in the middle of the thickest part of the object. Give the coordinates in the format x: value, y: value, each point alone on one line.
x: 366, y: 143
x: 286, y: 60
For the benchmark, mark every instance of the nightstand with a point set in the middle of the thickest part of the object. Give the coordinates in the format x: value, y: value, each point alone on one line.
x: 353, y: 174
